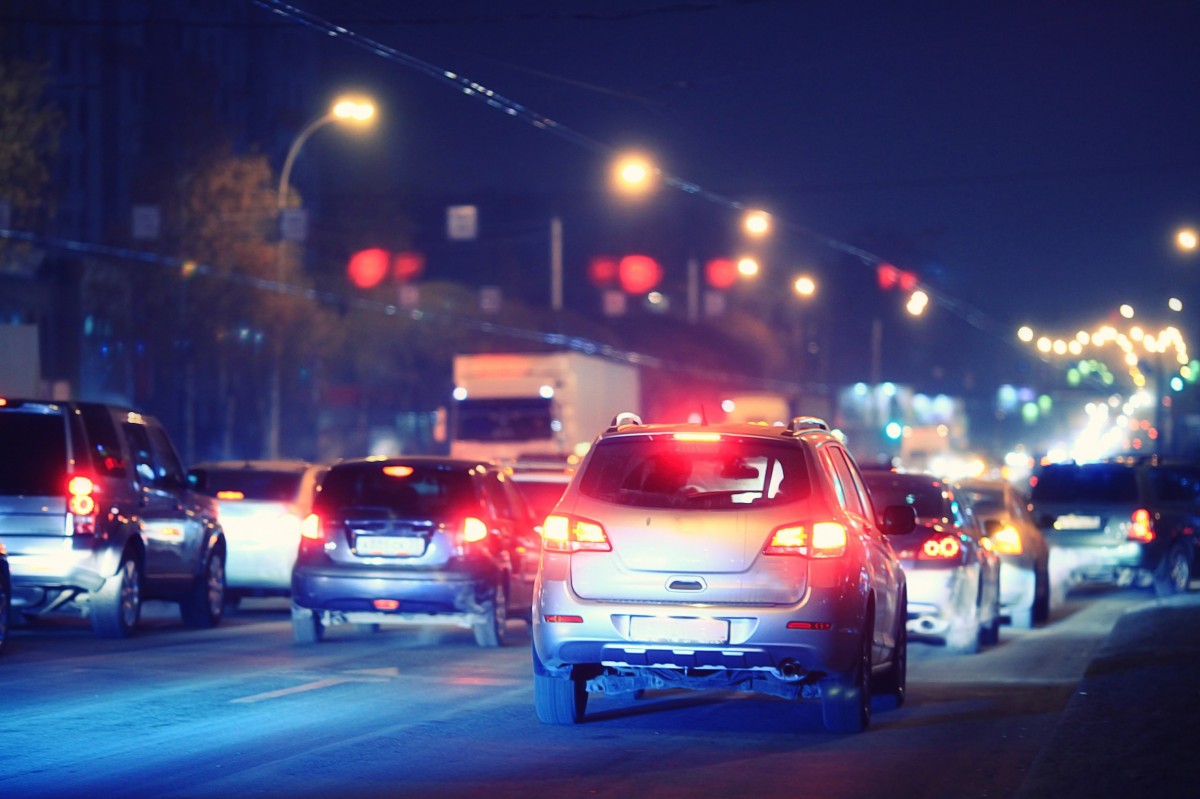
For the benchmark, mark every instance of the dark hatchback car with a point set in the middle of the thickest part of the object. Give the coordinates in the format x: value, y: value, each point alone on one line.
x: 416, y: 540
x: 1128, y: 521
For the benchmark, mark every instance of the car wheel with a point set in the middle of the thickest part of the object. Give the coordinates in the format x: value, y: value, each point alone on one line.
x: 893, y: 682
x: 491, y: 631
x: 202, y: 605
x: 846, y: 701
x: 558, y: 699
x: 989, y: 634
x: 307, y: 627
x: 1041, y: 596
x: 117, y: 607
x: 5, y: 607
x: 1174, y: 575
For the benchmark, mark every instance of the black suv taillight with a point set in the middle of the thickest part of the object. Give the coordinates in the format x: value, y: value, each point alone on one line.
x: 81, y: 503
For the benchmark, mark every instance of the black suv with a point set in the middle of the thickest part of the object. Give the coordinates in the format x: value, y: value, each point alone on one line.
x: 97, y: 517
x: 421, y: 539
x: 1129, y: 521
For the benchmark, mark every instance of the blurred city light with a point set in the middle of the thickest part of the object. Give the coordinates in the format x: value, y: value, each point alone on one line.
x: 747, y: 267
x: 805, y: 286
x: 1186, y: 239
x: 632, y: 174
x: 757, y: 223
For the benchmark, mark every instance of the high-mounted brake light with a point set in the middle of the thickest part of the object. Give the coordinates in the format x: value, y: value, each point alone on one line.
x: 230, y: 494
x: 943, y: 547
x: 1141, y: 526
x: 397, y: 471
x: 1008, y: 541
x: 82, y: 504
x: 823, y: 540
x: 697, y: 437
x: 567, y: 534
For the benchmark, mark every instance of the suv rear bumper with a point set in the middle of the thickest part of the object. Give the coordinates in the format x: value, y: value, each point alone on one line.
x: 1122, y: 563
x: 758, y: 638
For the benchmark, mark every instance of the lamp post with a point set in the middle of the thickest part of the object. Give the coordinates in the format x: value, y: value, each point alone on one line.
x: 351, y: 110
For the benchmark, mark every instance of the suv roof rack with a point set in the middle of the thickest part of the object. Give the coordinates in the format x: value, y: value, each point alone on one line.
x: 799, y: 424
x: 623, y: 418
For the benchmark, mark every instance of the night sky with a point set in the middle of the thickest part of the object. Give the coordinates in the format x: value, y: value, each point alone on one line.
x: 1030, y: 161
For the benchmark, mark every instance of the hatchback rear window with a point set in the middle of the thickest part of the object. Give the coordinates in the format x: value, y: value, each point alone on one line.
x: 1086, y: 483
x: 254, y: 484
x: 728, y: 472
x: 35, y: 454
x: 925, y: 496
x: 416, y: 491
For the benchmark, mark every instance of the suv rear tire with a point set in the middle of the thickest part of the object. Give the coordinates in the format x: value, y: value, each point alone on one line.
x: 1175, y: 573
x: 204, y: 603
x: 846, y: 701
x: 117, y: 607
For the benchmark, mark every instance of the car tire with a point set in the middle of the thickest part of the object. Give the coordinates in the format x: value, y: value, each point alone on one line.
x: 846, y: 701
x: 204, y: 603
x: 1041, y: 596
x: 5, y: 607
x: 491, y: 630
x: 894, y: 681
x: 116, y: 608
x: 1175, y: 573
x: 558, y: 698
x: 307, y: 627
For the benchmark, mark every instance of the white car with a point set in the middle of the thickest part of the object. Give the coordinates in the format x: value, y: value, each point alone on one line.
x: 953, y: 572
x: 260, y: 504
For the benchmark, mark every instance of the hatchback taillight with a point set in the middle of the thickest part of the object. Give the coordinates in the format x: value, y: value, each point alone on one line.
x: 1141, y: 526
x: 941, y: 547
x: 81, y: 502
x: 818, y: 540
x: 1008, y: 541
x: 568, y: 534
x: 312, y: 528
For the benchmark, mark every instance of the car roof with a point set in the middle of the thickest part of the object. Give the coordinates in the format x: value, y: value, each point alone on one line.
x: 414, y: 460
x: 281, y: 465
x: 751, y: 429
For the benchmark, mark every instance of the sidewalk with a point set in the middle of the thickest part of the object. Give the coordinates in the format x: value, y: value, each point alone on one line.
x: 1133, y: 726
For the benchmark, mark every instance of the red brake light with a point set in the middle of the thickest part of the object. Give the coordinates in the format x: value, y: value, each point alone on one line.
x: 823, y: 540
x: 943, y: 547
x: 82, y: 504
x: 568, y: 534
x: 1141, y: 526
x: 474, y: 530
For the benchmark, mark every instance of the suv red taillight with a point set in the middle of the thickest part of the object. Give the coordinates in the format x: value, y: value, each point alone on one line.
x: 81, y: 502
x: 569, y: 534
x: 819, y: 540
x: 1141, y: 526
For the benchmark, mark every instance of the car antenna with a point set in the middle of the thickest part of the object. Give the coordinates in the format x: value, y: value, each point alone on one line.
x: 703, y: 416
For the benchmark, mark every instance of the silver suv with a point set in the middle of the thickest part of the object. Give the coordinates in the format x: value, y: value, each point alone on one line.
x: 97, y: 516
x: 732, y: 557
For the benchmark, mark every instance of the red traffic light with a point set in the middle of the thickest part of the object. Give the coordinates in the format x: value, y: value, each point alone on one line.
x: 639, y: 274
x: 367, y: 268
x: 721, y: 273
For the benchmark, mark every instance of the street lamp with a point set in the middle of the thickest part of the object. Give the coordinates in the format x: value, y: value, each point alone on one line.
x: 351, y: 110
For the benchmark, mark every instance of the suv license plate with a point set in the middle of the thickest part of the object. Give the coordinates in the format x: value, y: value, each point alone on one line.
x: 1072, y: 522
x: 390, y: 546
x: 679, y: 630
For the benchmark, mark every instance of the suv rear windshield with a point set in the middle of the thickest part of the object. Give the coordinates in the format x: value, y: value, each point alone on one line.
x: 1086, y: 483
x: 250, y: 483
x: 36, y: 454
x: 416, y: 491
x: 662, y: 471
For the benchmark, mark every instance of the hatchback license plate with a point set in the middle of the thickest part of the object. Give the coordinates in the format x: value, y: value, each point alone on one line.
x: 679, y: 630
x: 389, y: 546
x: 1072, y: 522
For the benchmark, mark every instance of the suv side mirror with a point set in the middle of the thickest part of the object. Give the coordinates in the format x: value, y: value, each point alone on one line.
x: 898, y: 519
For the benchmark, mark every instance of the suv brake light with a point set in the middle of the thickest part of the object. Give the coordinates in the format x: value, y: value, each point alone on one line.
x: 1141, y: 527
x: 942, y: 547
x: 567, y: 534
x: 823, y: 540
x: 82, y: 504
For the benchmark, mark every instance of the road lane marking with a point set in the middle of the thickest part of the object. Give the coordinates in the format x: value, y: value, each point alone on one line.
x: 355, y: 675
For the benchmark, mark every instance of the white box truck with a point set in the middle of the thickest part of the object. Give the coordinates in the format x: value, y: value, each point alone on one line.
x: 514, y: 405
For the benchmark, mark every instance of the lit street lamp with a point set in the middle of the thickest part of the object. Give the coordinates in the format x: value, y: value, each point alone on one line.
x: 355, y: 111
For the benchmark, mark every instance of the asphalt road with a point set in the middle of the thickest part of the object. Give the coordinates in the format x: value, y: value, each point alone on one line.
x: 242, y: 711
